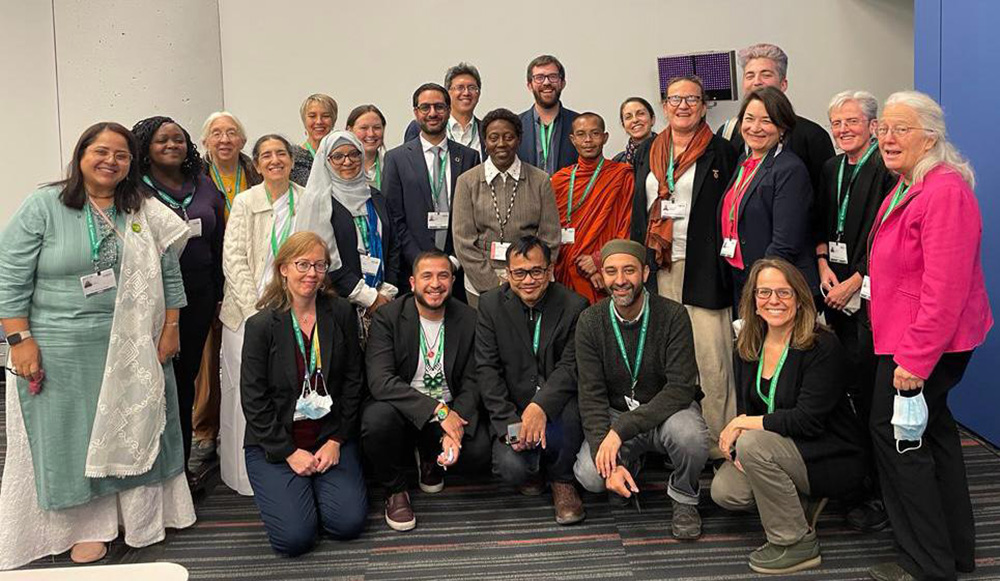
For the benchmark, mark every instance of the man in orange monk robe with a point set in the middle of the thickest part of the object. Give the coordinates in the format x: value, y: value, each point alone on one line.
x: 594, y: 197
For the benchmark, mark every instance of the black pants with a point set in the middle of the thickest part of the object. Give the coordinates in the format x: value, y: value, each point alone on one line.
x: 563, y: 438
x: 855, y: 335
x: 925, y: 490
x: 388, y: 439
x: 196, y: 319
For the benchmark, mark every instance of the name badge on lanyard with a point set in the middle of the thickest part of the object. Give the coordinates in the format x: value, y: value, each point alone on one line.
x: 631, y: 403
x: 568, y: 235
x: 838, y: 252
x: 866, y: 288
x: 673, y: 210
x: 195, y: 225
x: 728, y: 248
x: 99, y: 282
x: 370, y: 264
x: 437, y: 220
x: 498, y: 251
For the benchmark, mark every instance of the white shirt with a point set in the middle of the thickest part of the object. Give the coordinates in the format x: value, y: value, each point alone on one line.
x: 467, y: 136
x: 430, y: 161
x: 490, y: 171
x: 683, y: 194
x: 430, y: 330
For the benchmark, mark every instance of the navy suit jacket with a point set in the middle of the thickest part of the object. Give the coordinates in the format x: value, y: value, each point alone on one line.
x: 413, y: 131
x: 407, y: 189
x: 774, y: 215
x: 564, y: 151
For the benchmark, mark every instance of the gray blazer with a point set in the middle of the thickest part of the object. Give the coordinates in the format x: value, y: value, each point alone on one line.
x: 475, y: 226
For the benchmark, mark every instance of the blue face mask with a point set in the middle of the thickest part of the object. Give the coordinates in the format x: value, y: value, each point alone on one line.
x: 909, y: 420
x: 311, y: 405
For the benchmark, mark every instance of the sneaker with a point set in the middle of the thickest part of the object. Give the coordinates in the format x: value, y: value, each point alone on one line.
x: 431, y: 475
x: 566, y: 500
x: 867, y: 517
x: 398, y: 512
x: 889, y: 572
x: 685, y: 524
x: 534, y: 486
x: 813, y: 508
x: 772, y: 559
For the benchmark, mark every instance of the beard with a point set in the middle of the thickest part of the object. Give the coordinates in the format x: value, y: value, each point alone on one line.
x: 428, y: 131
x: 626, y: 300
x: 419, y: 296
x: 541, y: 101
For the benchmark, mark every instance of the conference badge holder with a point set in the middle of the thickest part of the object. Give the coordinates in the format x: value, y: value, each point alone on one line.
x: 195, y: 225
x: 370, y: 264
x: 673, y: 210
x: 438, y: 220
x: 99, y: 282
x: 568, y: 236
x: 838, y: 252
x: 498, y: 251
x: 728, y: 248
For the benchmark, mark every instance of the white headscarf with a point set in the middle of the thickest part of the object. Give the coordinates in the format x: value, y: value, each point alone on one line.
x: 352, y: 193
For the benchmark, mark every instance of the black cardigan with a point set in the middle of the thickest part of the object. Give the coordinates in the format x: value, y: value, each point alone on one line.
x: 346, y: 278
x: 270, y: 383
x: 812, y: 409
x: 707, y: 283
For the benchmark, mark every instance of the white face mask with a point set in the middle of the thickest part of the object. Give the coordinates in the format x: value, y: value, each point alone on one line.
x: 909, y: 420
x: 311, y: 405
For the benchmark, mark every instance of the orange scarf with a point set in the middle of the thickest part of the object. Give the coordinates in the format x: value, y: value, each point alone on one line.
x: 660, y: 235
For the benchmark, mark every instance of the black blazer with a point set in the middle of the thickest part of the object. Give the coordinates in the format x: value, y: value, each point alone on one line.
x: 394, y: 350
x: 346, y: 278
x: 407, y: 189
x: 707, y: 283
x: 508, y: 372
x: 773, y: 218
x: 812, y: 409
x: 270, y: 384
x: 564, y: 151
x: 413, y: 131
x: 873, y: 184
x: 808, y: 140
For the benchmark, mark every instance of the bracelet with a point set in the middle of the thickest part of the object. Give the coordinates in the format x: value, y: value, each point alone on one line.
x: 824, y: 256
x: 172, y: 324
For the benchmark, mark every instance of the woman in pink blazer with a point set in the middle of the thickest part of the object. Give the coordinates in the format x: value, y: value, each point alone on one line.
x: 929, y: 311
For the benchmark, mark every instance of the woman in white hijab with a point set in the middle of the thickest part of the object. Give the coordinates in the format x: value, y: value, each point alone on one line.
x: 356, y: 218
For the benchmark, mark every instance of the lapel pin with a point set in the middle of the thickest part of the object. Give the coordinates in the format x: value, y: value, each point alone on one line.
x: 136, y: 227
x: 715, y: 173
x: 458, y: 159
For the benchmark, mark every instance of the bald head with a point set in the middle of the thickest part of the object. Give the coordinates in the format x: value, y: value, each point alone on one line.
x: 588, y: 135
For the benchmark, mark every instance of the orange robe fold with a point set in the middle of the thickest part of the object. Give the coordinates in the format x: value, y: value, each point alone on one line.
x: 604, y: 215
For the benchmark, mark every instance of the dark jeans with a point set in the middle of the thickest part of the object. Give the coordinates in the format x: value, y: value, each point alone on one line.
x: 563, y: 436
x: 925, y: 490
x: 388, y: 439
x: 195, y: 321
x: 289, y: 503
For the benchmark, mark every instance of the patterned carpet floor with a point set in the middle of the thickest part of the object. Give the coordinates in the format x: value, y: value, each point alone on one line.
x: 480, y: 529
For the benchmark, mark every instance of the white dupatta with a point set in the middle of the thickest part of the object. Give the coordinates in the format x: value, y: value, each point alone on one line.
x: 132, y: 406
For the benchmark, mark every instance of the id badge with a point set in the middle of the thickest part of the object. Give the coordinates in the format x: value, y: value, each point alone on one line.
x: 672, y: 209
x: 728, y: 248
x: 194, y: 225
x: 99, y: 282
x: 370, y: 264
x: 568, y: 235
x: 866, y: 288
x: 838, y: 252
x: 498, y: 251
x: 631, y: 403
x: 437, y: 220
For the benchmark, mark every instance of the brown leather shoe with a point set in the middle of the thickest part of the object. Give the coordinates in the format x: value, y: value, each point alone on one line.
x: 534, y: 486
x: 431, y: 475
x: 566, y: 500
x: 88, y: 552
x: 398, y: 512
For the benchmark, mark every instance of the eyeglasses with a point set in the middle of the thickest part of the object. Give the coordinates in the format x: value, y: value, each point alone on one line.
x: 470, y: 89
x: 339, y: 158
x: 425, y: 108
x: 763, y: 293
x: 537, y: 273
x: 303, y: 266
x: 852, y: 122
x: 551, y: 77
x: 691, y: 100
x: 898, y: 131
x: 232, y: 134
x: 105, y: 153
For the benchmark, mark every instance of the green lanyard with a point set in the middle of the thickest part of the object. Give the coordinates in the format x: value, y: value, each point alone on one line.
x: 222, y: 185
x: 312, y: 152
x: 439, y: 186
x: 433, y: 361
x: 378, y: 172
x: 95, y: 242
x: 670, y: 170
x: 276, y: 242
x: 182, y: 206
x: 898, y: 193
x: 362, y: 223
x: 546, y: 134
x: 769, y: 399
x: 740, y: 188
x: 842, y: 210
x: 538, y: 334
x: 586, y: 191
x: 314, y: 361
x: 633, y: 371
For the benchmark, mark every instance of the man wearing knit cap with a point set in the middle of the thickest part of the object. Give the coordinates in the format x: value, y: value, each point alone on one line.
x: 638, y: 388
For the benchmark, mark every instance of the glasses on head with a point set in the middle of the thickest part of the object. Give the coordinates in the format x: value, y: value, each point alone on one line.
x: 691, y: 100
x: 852, y: 122
x: 470, y: 89
x: 105, y: 153
x: 537, y: 273
x: 551, y: 77
x: 898, y: 131
x: 303, y: 266
x: 219, y: 134
x: 763, y: 293
x: 426, y: 107
x: 340, y: 158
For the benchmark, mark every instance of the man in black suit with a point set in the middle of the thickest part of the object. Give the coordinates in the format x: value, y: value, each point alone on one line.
x: 421, y: 374
x: 419, y: 180
x: 464, y: 86
x: 547, y: 125
x: 766, y: 65
x: 526, y: 372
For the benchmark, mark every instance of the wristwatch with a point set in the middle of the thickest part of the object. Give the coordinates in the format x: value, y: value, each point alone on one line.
x: 442, y: 413
x: 15, y: 338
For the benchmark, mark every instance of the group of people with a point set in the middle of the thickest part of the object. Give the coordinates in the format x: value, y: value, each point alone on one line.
x: 496, y: 294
